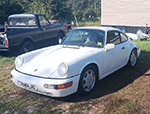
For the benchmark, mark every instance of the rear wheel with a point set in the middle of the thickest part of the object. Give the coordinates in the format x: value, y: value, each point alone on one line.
x: 133, y: 58
x: 88, y: 80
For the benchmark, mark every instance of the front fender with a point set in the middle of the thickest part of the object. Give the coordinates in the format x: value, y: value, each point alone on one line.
x: 30, y: 55
x: 78, y: 66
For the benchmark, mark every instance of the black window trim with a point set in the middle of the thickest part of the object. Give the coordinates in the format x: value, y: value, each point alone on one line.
x: 125, y: 36
x: 46, y: 20
x: 119, y: 35
x: 114, y: 31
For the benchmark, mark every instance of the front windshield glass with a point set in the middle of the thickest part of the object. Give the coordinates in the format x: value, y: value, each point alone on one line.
x: 85, y: 37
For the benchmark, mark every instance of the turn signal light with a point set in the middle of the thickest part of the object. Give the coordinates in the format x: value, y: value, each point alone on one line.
x: 58, y: 87
x: 63, y: 86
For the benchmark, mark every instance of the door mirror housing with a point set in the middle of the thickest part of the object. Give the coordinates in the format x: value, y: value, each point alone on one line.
x: 109, y: 46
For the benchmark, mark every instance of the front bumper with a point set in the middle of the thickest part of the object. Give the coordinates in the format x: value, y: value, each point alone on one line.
x: 38, y: 84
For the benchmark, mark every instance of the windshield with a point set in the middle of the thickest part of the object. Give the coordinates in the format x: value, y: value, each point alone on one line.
x: 85, y: 37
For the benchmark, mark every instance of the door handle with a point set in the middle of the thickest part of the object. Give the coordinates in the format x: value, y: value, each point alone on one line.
x: 123, y: 48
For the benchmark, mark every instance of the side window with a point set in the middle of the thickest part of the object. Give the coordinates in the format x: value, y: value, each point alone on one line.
x: 123, y: 37
x: 57, y: 23
x: 113, y: 37
x: 31, y: 21
x: 22, y: 21
x: 43, y: 21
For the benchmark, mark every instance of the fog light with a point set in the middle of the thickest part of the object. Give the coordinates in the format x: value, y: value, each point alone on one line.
x: 48, y: 86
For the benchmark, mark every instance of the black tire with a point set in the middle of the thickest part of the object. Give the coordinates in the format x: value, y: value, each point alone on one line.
x: 26, y: 47
x: 133, y: 58
x: 60, y: 36
x: 88, y: 80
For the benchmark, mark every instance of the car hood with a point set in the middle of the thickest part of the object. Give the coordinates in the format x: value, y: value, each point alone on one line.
x: 46, y: 63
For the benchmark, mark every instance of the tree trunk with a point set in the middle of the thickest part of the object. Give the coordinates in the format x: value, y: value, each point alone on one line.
x: 76, y: 20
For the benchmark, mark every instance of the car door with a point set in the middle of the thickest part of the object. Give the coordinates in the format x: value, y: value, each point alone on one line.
x: 46, y: 27
x: 115, y: 58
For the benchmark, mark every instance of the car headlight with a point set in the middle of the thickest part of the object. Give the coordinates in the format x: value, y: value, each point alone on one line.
x: 19, y: 61
x: 62, y: 69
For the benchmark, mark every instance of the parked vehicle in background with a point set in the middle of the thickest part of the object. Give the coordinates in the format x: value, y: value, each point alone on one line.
x: 26, y: 32
x: 55, y: 22
x: 86, y: 55
x: 142, y: 36
x: 1, y: 28
x: 68, y: 25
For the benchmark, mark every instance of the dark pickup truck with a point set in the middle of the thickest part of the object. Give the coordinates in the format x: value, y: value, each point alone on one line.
x: 26, y: 32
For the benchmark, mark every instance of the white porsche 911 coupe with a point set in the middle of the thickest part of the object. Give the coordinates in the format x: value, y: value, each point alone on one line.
x: 86, y: 55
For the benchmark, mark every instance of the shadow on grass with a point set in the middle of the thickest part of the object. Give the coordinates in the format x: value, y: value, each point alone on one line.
x: 115, y: 81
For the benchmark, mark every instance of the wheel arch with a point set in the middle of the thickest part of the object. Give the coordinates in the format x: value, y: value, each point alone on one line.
x: 128, y: 61
x: 95, y: 66
x: 81, y: 90
x: 61, y: 31
x: 27, y: 39
x: 131, y: 51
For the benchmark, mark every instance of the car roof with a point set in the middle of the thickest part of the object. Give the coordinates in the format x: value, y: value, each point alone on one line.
x: 99, y: 28
x: 24, y: 15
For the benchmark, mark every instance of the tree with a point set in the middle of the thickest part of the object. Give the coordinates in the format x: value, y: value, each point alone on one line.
x: 60, y: 10
x: 53, y: 9
x: 90, y: 14
x: 93, y: 10
x: 83, y: 9
x: 8, y: 7
x: 76, y: 7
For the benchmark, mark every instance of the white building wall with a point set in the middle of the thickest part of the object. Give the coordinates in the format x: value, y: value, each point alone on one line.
x: 125, y: 12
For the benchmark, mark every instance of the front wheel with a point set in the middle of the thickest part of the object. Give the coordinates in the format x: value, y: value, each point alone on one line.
x: 26, y: 47
x: 133, y: 58
x: 88, y: 80
x: 60, y: 37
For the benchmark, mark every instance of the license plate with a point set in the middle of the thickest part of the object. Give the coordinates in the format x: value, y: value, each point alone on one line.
x: 27, y: 85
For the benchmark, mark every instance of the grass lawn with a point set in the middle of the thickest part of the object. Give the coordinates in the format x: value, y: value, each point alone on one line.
x: 126, y: 91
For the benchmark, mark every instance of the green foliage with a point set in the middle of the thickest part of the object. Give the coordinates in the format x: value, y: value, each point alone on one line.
x: 85, y: 9
x: 90, y: 14
x: 89, y: 23
x: 53, y: 9
x: 4, y: 60
x: 60, y: 10
x: 8, y: 7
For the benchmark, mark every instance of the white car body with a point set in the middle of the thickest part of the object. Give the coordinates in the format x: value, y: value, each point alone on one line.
x: 40, y: 67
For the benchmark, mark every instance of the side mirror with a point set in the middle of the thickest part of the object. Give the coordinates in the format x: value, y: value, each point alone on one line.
x: 109, y: 46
